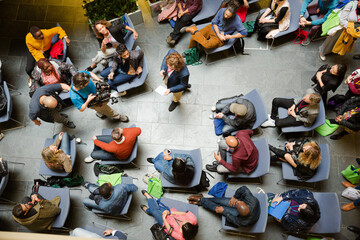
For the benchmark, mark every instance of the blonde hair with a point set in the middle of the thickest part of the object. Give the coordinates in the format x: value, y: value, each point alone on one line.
x: 47, y: 154
x: 175, y: 60
x: 312, y: 156
x: 102, y: 22
x: 314, y: 98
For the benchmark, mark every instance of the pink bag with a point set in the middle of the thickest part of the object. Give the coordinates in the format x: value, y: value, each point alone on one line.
x: 168, y: 12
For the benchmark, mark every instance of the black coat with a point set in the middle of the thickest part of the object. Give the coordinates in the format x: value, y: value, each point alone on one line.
x: 353, y: 123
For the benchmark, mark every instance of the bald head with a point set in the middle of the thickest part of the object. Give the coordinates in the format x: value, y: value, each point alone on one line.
x: 242, y: 208
x: 50, y: 102
x: 232, y: 141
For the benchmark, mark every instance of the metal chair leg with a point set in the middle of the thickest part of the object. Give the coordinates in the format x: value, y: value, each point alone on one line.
x: 16, y: 162
x: 272, y: 43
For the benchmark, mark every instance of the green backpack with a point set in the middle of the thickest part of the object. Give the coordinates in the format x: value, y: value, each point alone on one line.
x: 351, y: 174
x: 327, y: 128
x: 192, y: 56
x: 155, y: 188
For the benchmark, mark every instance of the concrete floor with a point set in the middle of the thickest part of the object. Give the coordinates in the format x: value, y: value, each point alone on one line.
x: 284, y: 71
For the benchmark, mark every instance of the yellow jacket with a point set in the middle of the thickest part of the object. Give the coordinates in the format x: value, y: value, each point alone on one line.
x: 38, y: 47
x: 346, y: 41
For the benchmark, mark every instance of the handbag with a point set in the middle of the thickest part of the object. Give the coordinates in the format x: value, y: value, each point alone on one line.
x: 351, y: 174
x: 301, y: 36
x: 327, y: 128
x: 332, y: 20
x: 351, y: 193
x: 192, y: 56
x: 155, y: 188
x: 57, y: 50
x: 158, y: 232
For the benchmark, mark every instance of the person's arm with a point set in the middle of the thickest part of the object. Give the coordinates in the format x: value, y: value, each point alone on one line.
x: 344, y: 14
x: 87, y: 102
x: 322, y: 20
x: 304, y: 7
x: 115, y: 63
x: 215, y: 22
x: 229, y: 121
x: 34, y: 52
x: 353, y: 89
x: 132, y: 30
x: 178, y: 213
x: 140, y: 61
x: 309, y: 119
x: 131, y: 188
x: 267, y: 11
x: 104, y: 146
x: 231, y: 167
x: 350, y: 125
x: 281, y: 15
x: 58, y: 30
x: 184, y: 80
x: 95, y: 77
x: 65, y: 87
x: 167, y: 172
x: 290, y: 159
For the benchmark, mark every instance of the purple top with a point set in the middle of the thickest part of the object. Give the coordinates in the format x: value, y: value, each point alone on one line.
x: 194, y: 6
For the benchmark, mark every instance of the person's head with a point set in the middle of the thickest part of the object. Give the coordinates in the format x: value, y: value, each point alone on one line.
x: 101, y: 28
x: 45, y: 65
x: 238, y: 109
x: 231, y: 9
x: 232, y: 141
x: 105, y: 190
x: 312, y: 98
x: 49, y: 152
x: 117, y: 134
x: 20, y: 210
x: 189, y: 230
x: 80, y: 80
x: 311, y: 155
x: 308, y: 212
x: 178, y: 165
x: 122, y: 50
x: 36, y: 33
x: 175, y: 61
x: 338, y: 70
x: 242, y: 208
x: 50, y: 102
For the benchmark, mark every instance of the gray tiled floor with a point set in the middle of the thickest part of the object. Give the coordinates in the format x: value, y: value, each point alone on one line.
x: 284, y: 71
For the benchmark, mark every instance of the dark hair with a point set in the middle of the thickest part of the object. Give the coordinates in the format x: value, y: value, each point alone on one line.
x: 80, y: 79
x: 233, y: 6
x: 18, y: 211
x: 183, y: 174
x: 34, y: 29
x: 121, y: 48
x: 189, y: 230
x: 105, y: 190
x: 310, y: 213
x: 116, y: 134
x: 341, y: 71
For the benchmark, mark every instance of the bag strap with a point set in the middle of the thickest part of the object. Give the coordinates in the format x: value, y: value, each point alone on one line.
x: 163, y: 205
x: 78, y: 94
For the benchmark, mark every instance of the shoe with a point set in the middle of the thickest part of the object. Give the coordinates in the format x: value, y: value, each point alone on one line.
x: 213, y: 108
x: 336, y: 137
x: 85, y: 184
x: 357, y: 159
x: 183, y: 29
x: 356, y: 57
x: 64, y: 115
x: 212, y: 116
x: 173, y: 105
x: 195, y: 198
x: 89, y: 159
x: 115, y: 94
x: 172, y: 43
x: 102, y: 116
x: 354, y: 229
x: 188, y: 86
x: 89, y: 69
x: 142, y: 206
x: 124, y: 118
x: 215, y: 163
x: 347, y: 184
x: 2, y: 135
x: 323, y: 58
x: 306, y: 42
x: 150, y: 160
x: 123, y: 93
x: 269, y: 123
x: 168, y: 39
x: 211, y: 168
x: 194, y: 202
x: 145, y: 192
x: 191, y: 29
x: 348, y: 207
x: 70, y: 124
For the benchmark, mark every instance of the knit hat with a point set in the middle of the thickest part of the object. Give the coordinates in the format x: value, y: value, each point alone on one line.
x: 238, y: 109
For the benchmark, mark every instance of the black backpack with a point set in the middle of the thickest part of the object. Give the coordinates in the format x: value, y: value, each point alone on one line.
x: 204, y: 182
x: 3, y: 101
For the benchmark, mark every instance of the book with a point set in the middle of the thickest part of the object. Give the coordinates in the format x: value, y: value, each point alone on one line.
x: 160, y: 90
x: 279, y: 210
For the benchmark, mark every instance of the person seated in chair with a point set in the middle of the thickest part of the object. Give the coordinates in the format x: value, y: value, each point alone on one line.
x: 46, y: 104
x: 221, y: 29
x: 57, y: 155
x: 36, y: 213
x: 301, y: 111
x: 126, y: 66
x: 348, y: 118
x: 304, y: 157
x: 244, y: 111
x: 242, y: 209
x: 108, y: 198
x: 177, y: 168
x: 118, y: 145
x: 302, y: 213
x: 108, y: 233
x: 244, y: 154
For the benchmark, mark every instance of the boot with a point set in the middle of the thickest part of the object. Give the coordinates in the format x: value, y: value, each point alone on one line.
x: 347, y: 184
x: 348, y: 207
x: 195, y: 198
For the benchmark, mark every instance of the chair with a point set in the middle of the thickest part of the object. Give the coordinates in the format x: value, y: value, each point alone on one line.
x: 45, y: 171
x: 124, y: 212
x: 229, y: 44
x: 322, y: 173
x: 263, y: 166
x: 261, y: 114
x: 196, y: 156
x: 137, y: 81
x: 99, y: 231
x: 258, y: 227
x: 132, y: 156
x: 129, y: 39
x: 330, y: 218
x: 208, y: 10
x: 3, y: 183
x: 64, y: 95
x: 7, y: 117
x: 320, y: 120
x: 54, y: 40
x: 180, y: 206
x: 64, y: 193
x: 293, y: 238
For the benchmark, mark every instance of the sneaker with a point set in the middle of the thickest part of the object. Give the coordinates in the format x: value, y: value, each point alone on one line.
x: 123, y: 118
x: 323, y: 58
x: 115, y: 94
x: 89, y: 69
x: 188, y: 86
x: 99, y: 115
x: 69, y: 124
x: 172, y: 43
x: 183, y: 30
x: 89, y: 159
x: 307, y: 41
x: 150, y: 160
x: 212, y: 116
x: 173, y: 105
x: 269, y: 123
x: 168, y: 39
x: 336, y: 137
x: 85, y: 184
x: 213, y: 108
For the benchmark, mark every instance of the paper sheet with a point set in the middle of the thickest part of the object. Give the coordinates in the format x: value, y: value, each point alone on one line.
x: 161, y: 90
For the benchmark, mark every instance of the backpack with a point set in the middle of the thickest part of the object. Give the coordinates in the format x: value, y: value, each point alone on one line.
x: 57, y: 50
x: 3, y: 101
x: 106, y: 169
x: 204, y: 182
x: 155, y: 188
x: 192, y: 56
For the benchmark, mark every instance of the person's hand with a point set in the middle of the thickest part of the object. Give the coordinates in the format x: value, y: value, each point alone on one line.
x: 219, y: 210
x: 302, y: 21
x: 162, y: 73
x: 348, y: 79
x: 339, y: 118
x: 167, y: 92
x: 219, y: 115
x: 180, y: 13
x: 94, y: 138
x: 67, y: 40
x: 277, y: 199
x: 61, y: 135
x: 111, y: 75
x: 228, y: 36
x: 290, y: 145
x: 217, y: 156
x: 34, y: 198
x: 107, y: 232
x: 232, y: 202
x: 166, y: 152
x: 262, y: 20
x: 317, y: 11
x: 136, y: 35
x: 138, y: 70
x: 37, y: 122
x: 91, y: 97
x: 165, y: 213
x: 222, y: 37
x: 246, y: 4
x: 105, y: 41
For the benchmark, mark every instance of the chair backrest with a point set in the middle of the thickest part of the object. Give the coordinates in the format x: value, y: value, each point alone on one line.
x: 295, y: 7
x: 261, y: 114
x: 129, y: 39
x: 7, y: 116
x: 56, y: 39
x: 209, y: 9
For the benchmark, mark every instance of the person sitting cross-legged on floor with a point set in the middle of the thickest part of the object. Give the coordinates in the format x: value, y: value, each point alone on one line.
x: 242, y: 209
x: 36, y: 213
x: 125, y: 67
x: 177, y: 168
x: 244, y: 154
x: 302, y: 111
x: 108, y: 198
x: 244, y: 112
x: 118, y: 145
x: 223, y: 25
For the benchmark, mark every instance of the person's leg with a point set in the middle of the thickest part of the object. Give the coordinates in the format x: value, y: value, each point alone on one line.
x: 104, y: 73
x: 221, y: 169
x: 177, y: 96
x: 212, y: 203
x: 80, y: 232
x: 106, y: 110
x: 227, y: 129
x: 120, y: 79
x: 288, y: 121
x: 155, y: 210
x: 90, y: 204
x: 208, y: 40
x: 222, y: 148
x: 30, y: 63
x: 59, y: 118
x: 102, y: 155
x: 65, y: 143
x: 92, y: 187
x: 339, y: 135
x: 180, y: 23
x: 280, y: 102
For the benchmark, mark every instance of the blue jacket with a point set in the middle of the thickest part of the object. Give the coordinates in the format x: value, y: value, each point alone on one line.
x: 178, y: 81
x: 291, y: 222
x: 325, y: 6
x: 116, y: 202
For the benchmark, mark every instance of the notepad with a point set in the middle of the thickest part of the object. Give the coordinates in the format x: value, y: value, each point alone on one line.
x: 279, y: 210
x: 160, y: 90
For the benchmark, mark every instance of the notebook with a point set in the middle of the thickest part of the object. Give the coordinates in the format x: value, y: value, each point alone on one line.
x: 279, y: 210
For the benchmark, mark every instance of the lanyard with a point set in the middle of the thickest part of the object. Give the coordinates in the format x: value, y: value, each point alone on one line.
x: 292, y: 208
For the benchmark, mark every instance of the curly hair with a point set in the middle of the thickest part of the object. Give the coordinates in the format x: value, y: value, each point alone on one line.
x: 102, y: 22
x: 312, y: 156
x: 175, y: 61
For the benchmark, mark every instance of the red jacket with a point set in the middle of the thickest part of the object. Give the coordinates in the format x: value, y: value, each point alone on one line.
x: 245, y: 156
x: 121, y: 151
x: 354, y: 86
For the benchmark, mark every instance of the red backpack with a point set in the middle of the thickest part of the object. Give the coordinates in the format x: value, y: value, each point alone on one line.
x: 57, y: 50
